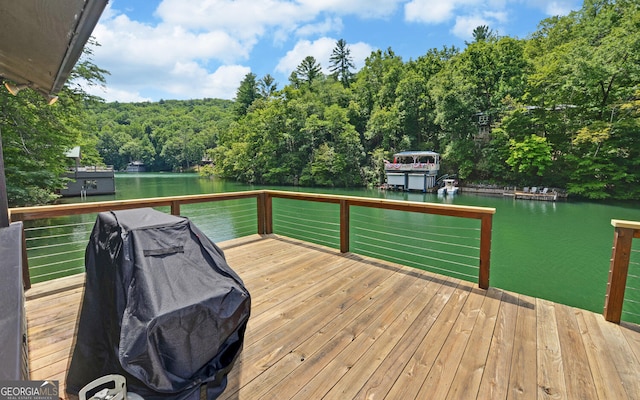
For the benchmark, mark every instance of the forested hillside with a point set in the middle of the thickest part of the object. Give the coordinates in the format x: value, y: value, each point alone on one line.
x: 560, y: 108
x: 167, y: 135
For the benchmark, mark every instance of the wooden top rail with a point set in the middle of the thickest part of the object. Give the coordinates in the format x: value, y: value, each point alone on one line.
x: 619, y: 223
x: 60, y: 210
x: 400, y: 205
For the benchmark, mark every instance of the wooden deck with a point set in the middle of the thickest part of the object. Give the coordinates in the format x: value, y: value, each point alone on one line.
x: 335, y: 326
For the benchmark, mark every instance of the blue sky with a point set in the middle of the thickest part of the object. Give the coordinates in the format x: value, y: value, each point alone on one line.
x: 192, y: 49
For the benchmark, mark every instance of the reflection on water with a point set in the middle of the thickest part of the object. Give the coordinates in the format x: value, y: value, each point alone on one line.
x: 553, y: 250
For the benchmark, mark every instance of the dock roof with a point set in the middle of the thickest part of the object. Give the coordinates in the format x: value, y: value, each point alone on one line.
x: 416, y: 154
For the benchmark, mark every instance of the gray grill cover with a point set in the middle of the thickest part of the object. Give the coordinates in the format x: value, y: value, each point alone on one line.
x: 161, y: 306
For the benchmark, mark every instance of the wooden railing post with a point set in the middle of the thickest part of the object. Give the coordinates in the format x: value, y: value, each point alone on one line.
x: 485, y: 251
x: 265, y: 213
x: 344, y: 226
x: 175, y: 208
x: 618, y: 269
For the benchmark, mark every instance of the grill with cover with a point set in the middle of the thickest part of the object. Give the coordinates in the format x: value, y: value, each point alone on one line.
x: 161, y: 307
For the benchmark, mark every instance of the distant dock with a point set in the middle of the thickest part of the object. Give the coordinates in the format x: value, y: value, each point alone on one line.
x: 529, y: 195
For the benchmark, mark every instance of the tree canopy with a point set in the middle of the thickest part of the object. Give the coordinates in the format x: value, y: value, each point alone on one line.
x: 36, y: 135
x: 560, y: 109
x: 556, y: 109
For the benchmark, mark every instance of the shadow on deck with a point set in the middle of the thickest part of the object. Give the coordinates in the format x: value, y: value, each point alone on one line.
x: 342, y: 326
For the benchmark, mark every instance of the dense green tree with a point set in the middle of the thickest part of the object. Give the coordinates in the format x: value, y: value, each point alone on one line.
x: 308, y: 71
x: 267, y: 86
x: 530, y: 157
x: 482, y: 33
x: 342, y: 62
x: 586, y: 65
x: 246, y: 94
x: 35, y: 135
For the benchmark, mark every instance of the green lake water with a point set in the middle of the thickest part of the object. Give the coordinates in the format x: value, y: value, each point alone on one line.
x: 558, y: 251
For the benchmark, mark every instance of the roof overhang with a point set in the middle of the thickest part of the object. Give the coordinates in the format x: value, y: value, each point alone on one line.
x: 41, y: 40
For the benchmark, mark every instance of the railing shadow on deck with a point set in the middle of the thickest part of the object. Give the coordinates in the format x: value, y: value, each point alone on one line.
x: 264, y: 217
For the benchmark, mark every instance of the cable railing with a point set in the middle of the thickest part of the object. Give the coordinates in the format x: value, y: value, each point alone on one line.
x: 445, y: 246
x: 623, y: 287
x: 56, y: 248
x: 448, y: 239
x: 293, y: 218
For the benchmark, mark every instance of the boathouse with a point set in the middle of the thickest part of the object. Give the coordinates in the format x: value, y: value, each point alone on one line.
x: 412, y: 170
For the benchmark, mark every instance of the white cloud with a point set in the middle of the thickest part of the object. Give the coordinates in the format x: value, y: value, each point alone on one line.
x: 194, y: 38
x: 199, y: 47
x: 321, y: 50
x: 464, y: 26
x: 360, y: 51
x: 321, y: 28
x: 553, y: 8
x: 221, y: 84
x: 114, y: 94
x: 429, y: 11
x: 361, y: 8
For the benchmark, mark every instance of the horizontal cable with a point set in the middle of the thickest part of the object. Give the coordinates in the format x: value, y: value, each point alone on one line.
x: 306, y: 234
x: 230, y: 210
x: 48, y: 246
x: 404, y: 262
x: 36, y: 228
x: 304, y: 209
x: 63, y: 272
x: 290, y: 218
x: 420, y: 250
x: 630, y: 313
x: 385, y: 218
x: 56, y: 236
x: 421, y: 239
x: 422, y: 256
x: 56, y: 254
x: 316, y: 231
x: 55, y: 263
x: 430, y: 233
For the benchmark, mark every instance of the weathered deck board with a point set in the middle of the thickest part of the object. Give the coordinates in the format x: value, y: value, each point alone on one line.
x: 334, y: 326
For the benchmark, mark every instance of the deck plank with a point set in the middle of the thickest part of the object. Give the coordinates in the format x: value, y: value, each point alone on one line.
x: 388, y: 371
x: 522, y: 380
x: 577, y: 370
x: 342, y: 326
x: 469, y: 374
x: 603, y: 368
x: 497, y: 370
x: 551, y: 383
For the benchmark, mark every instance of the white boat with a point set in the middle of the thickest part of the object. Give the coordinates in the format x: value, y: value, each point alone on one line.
x: 448, y: 188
